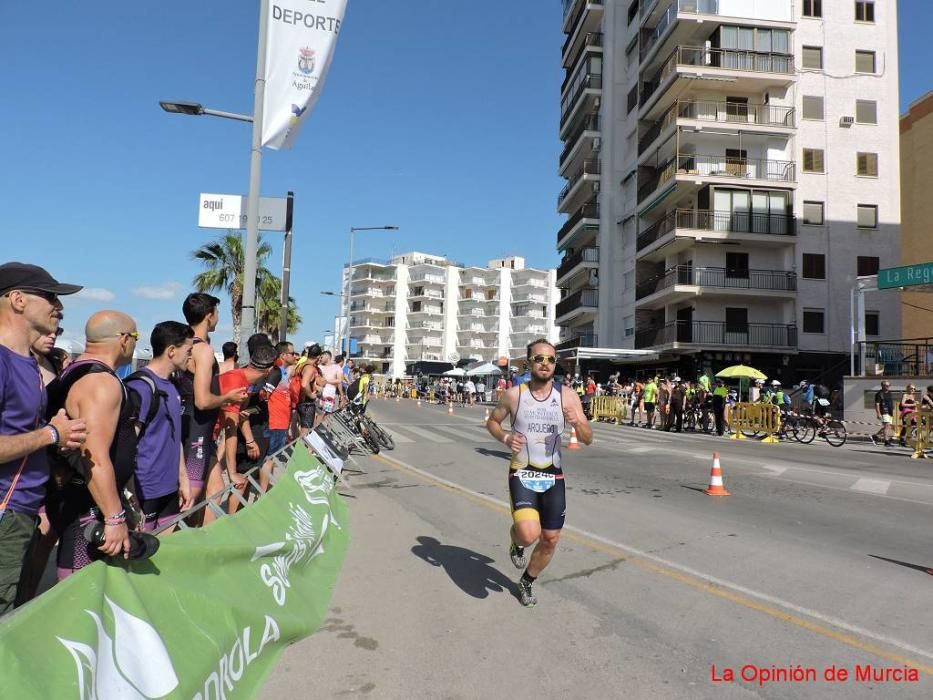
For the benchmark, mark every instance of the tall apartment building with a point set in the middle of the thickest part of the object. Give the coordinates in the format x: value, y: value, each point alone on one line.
x: 418, y: 307
x: 732, y: 166
x: 917, y: 210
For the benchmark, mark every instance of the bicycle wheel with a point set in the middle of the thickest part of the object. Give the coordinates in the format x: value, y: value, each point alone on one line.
x: 371, y: 442
x: 384, y: 438
x: 835, y: 433
x: 690, y: 421
x: 804, y: 430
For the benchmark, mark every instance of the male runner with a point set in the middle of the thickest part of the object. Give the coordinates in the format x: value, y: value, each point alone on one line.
x: 538, y: 409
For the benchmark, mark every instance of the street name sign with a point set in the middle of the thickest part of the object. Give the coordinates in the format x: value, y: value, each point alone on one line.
x: 229, y: 211
x: 906, y: 276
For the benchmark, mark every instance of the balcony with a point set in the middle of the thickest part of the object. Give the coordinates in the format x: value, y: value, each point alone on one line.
x: 718, y: 333
x: 425, y: 294
x: 781, y: 282
x: 590, y: 123
x: 582, y: 301
x: 581, y: 340
x: 738, y: 114
x: 586, y: 216
x: 591, y: 170
x: 756, y: 69
x: 718, y: 226
x: 584, y: 258
x: 590, y: 82
x: 427, y: 310
x: 689, y: 167
x: 575, y: 9
x: 577, y: 42
x: 423, y: 278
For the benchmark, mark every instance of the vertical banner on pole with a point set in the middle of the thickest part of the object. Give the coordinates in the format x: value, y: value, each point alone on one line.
x: 300, y: 45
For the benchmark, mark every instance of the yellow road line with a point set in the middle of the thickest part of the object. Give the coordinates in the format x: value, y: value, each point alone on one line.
x: 621, y: 553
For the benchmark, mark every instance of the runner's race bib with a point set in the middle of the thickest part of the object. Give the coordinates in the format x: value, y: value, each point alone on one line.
x: 823, y: 402
x: 536, y: 481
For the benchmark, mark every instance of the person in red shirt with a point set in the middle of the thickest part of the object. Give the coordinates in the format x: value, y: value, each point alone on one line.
x: 233, y: 421
x: 280, y: 408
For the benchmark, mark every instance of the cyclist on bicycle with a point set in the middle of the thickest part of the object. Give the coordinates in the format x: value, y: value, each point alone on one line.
x: 358, y: 391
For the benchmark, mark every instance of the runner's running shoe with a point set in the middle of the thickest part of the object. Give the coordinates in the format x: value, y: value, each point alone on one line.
x: 518, y: 556
x: 525, y: 595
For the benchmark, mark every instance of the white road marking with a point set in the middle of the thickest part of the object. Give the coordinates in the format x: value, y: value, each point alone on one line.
x: 775, y: 471
x: 871, y: 486
x: 427, y: 435
x: 462, y: 433
x: 738, y: 588
x: 401, y: 439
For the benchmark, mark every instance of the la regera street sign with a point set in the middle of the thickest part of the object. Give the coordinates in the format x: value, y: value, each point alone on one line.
x: 906, y: 276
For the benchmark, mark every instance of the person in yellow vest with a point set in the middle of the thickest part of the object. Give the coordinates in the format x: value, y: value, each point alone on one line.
x: 719, y: 406
x: 650, y: 397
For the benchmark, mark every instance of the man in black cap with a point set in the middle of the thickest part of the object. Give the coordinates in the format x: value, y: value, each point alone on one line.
x: 29, y: 308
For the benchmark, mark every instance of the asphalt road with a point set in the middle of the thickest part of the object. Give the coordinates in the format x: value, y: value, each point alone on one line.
x: 817, y: 562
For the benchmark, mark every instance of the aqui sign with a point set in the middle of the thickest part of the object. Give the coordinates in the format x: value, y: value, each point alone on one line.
x: 906, y: 276
x: 229, y: 211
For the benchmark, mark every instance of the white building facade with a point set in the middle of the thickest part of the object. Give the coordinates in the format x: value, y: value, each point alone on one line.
x: 732, y: 166
x: 419, y: 307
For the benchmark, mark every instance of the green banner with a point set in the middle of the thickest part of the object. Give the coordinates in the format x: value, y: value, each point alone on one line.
x: 207, y: 617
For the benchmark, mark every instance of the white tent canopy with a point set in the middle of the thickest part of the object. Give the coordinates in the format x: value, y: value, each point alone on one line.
x: 455, y: 372
x: 484, y: 370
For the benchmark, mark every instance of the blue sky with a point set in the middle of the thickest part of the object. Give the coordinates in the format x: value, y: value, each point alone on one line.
x: 440, y: 117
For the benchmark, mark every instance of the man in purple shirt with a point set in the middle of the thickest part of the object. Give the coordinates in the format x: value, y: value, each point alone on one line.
x: 29, y: 308
x: 161, y: 475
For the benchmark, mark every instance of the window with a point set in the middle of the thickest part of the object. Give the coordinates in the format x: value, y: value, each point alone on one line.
x: 866, y: 111
x: 872, y: 323
x: 814, y: 266
x: 813, y: 320
x: 867, y: 265
x: 867, y: 164
x: 864, y: 11
x: 736, y: 320
x: 813, y: 160
x: 864, y: 61
x: 632, y: 98
x: 812, y: 57
x: 812, y: 107
x: 813, y: 8
x: 813, y: 213
x: 868, y: 216
x: 632, y: 11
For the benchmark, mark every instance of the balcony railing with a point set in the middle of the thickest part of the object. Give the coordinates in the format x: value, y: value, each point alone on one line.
x: 591, y: 39
x: 580, y: 299
x: 591, y: 81
x: 589, y: 254
x: 706, y: 7
x: 568, y: 6
x: 719, y: 277
x: 718, y: 333
x: 663, y: 173
x: 725, y: 221
x: 581, y: 340
x: 728, y: 59
x: 591, y: 166
x: 721, y: 112
x: 590, y: 123
x: 590, y: 210
x: 719, y: 166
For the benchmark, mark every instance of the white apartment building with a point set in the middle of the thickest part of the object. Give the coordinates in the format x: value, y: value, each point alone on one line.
x: 425, y: 308
x: 732, y: 166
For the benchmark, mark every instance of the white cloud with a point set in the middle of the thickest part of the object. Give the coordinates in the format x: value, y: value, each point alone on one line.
x: 168, y: 290
x: 96, y: 294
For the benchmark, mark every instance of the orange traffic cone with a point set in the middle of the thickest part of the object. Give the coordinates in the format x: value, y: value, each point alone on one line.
x: 450, y: 409
x: 716, y: 487
x: 573, y: 444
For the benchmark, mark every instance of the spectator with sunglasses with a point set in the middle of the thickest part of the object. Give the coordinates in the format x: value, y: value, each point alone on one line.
x: 539, y: 410
x: 29, y: 309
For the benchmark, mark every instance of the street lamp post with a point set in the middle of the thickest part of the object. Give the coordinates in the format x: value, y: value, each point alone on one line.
x: 345, y: 291
x: 248, y: 306
x: 337, y: 331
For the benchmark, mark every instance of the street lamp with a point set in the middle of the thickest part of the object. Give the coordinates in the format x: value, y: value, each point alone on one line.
x: 248, y: 305
x: 338, y: 329
x: 346, y: 290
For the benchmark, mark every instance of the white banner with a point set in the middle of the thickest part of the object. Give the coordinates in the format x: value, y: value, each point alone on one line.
x: 300, y: 39
x: 229, y: 211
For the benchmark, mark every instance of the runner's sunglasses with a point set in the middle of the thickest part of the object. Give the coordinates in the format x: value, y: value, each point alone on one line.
x: 543, y: 359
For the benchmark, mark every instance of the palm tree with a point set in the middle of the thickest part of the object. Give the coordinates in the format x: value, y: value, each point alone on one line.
x: 269, y: 308
x: 224, y: 262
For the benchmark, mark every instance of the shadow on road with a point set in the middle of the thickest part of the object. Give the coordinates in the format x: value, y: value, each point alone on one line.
x: 916, y: 567
x: 494, y: 453
x: 472, y: 572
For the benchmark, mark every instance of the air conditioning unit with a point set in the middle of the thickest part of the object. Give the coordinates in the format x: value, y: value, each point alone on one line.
x: 596, y: 187
x: 597, y: 142
x: 846, y: 122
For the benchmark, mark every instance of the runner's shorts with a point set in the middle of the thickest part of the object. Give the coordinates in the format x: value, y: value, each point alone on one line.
x: 199, y: 450
x: 538, y: 494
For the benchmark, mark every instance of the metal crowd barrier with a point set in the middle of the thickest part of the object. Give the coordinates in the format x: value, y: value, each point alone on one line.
x: 611, y: 408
